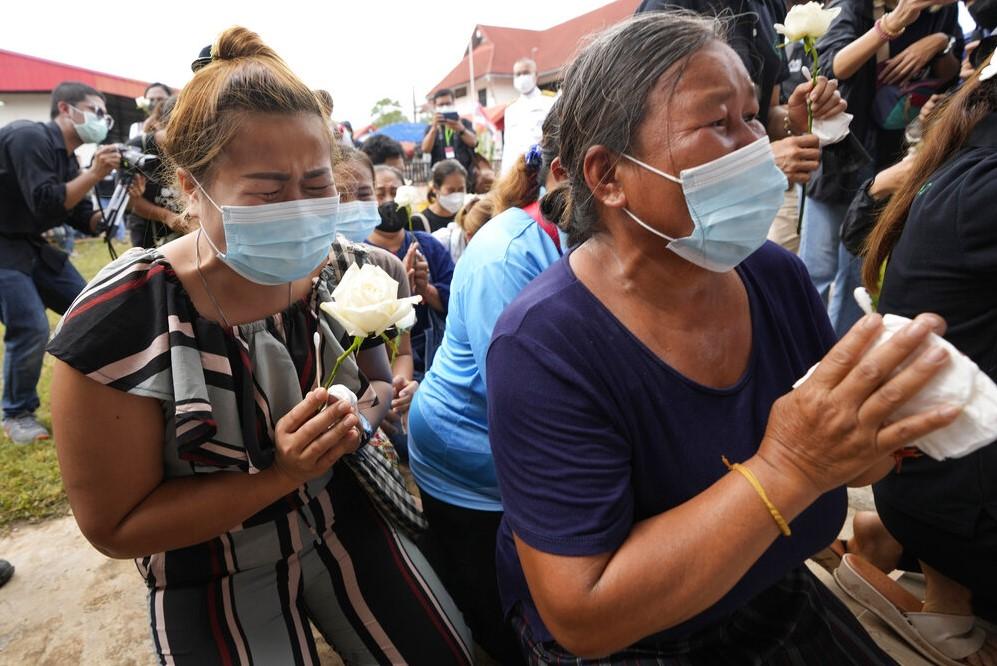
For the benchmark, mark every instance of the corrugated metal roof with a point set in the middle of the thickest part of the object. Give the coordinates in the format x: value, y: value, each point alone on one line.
x: 25, y: 73
x: 552, y: 49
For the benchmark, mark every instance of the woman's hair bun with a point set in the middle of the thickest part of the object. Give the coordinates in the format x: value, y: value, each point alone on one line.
x: 239, y: 42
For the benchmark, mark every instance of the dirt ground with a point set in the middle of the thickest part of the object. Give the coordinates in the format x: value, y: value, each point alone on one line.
x: 67, y: 604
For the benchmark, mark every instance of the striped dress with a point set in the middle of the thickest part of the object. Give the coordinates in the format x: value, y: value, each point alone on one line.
x: 321, y: 556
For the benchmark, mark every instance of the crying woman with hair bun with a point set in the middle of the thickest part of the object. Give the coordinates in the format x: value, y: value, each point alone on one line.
x: 194, y: 432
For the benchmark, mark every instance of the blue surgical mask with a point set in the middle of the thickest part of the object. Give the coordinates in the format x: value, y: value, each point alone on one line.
x: 732, y: 200
x: 357, y: 220
x: 278, y: 242
x: 92, y: 129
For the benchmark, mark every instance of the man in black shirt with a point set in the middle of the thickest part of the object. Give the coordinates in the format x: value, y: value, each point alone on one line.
x: 449, y: 137
x: 41, y: 187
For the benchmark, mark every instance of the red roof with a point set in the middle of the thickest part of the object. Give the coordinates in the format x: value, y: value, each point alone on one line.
x: 24, y: 73
x: 499, y: 48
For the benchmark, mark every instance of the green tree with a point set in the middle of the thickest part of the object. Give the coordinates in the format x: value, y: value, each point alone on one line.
x: 387, y: 111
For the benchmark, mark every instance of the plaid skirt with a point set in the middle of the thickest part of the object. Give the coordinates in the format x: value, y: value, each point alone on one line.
x: 797, y: 622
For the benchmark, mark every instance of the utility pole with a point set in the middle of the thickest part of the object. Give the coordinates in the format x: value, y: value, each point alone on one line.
x: 470, y: 65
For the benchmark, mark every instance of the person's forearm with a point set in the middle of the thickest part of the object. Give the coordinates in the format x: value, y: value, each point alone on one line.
x: 469, y: 138
x: 79, y: 187
x: 429, y: 140
x: 403, y: 365
x: 675, y: 565
x: 850, y: 59
x: 150, y: 211
x: 375, y: 413
x: 173, y: 515
x: 431, y: 297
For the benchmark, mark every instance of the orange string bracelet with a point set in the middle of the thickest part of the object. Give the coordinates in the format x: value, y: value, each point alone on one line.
x: 756, y: 484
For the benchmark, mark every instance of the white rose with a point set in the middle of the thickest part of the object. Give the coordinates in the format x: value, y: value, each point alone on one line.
x: 142, y: 103
x: 406, y: 196
x: 809, y: 20
x: 366, y: 301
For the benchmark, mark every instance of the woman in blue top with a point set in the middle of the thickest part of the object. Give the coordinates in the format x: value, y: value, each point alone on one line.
x: 428, y: 262
x: 620, y: 378
x: 448, y: 425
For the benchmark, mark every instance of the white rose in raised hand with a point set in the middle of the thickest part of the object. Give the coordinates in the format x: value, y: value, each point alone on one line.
x: 809, y: 20
x: 366, y: 301
x: 406, y: 196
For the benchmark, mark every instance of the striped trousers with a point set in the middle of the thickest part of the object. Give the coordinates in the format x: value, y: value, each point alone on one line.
x: 251, y: 595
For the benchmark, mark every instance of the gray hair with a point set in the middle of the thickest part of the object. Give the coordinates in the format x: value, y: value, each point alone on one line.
x: 605, y: 92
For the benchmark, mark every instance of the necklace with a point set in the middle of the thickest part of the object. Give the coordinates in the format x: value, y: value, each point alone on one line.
x: 207, y: 290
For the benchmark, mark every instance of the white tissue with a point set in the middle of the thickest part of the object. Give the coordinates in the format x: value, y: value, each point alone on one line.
x: 829, y: 131
x: 341, y: 392
x: 832, y: 130
x: 960, y: 383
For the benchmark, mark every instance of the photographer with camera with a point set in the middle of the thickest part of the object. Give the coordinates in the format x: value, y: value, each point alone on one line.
x: 449, y: 137
x: 41, y: 187
x: 154, y: 214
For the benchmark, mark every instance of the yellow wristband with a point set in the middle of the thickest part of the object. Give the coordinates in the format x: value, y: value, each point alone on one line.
x: 753, y: 480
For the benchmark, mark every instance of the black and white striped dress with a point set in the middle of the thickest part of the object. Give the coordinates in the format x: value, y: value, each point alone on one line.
x: 322, y: 555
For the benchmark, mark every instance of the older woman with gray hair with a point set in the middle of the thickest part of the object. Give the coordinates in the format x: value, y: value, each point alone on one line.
x: 662, y: 481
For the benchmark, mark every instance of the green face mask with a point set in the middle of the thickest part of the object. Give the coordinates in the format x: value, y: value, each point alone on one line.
x: 92, y: 129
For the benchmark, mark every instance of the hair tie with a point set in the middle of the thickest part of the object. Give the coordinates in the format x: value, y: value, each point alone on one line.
x: 534, y: 157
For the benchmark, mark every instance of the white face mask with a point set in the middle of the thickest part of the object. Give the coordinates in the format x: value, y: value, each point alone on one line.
x: 524, y: 83
x: 732, y: 201
x: 452, y: 202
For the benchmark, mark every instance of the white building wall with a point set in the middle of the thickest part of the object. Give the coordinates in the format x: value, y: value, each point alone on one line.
x: 31, y: 106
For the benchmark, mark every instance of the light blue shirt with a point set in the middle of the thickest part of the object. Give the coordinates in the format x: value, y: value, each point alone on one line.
x: 448, y: 426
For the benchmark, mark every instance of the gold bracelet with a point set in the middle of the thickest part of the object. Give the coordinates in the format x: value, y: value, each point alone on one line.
x: 753, y: 480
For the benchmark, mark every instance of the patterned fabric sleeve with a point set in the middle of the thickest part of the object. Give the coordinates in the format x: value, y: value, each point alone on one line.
x: 135, y: 329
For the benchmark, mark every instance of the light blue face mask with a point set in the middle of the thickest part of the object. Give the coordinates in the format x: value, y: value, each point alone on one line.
x: 92, y: 129
x: 357, y: 220
x: 732, y: 200
x: 277, y: 243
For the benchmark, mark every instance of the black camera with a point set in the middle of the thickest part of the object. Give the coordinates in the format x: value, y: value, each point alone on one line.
x: 133, y: 159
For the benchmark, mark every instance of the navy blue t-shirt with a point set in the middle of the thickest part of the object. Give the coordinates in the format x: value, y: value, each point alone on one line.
x: 592, y: 432
x: 441, y: 268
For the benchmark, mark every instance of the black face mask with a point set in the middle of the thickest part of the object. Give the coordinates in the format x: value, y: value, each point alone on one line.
x: 984, y: 12
x: 393, y: 218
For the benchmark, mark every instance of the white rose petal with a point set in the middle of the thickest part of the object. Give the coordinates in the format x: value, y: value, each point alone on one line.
x: 366, y: 301
x: 809, y: 20
x: 408, y: 322
x: 406, y: 196
x: 142, y: 103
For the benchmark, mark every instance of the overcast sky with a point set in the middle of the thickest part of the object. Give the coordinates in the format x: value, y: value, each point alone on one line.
x: 360, y: 51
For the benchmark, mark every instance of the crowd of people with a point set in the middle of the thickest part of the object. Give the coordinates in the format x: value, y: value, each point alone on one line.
x: 591, y: 445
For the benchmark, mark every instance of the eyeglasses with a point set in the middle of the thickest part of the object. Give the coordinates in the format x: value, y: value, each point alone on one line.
x: 100, y: 113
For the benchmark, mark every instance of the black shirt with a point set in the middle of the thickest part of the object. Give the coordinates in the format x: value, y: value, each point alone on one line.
x: 752, y: 36
x: 946, y: 262
x: 436, y: 221
x: 155, y: 193
x: 463, y: 153
x: 34, y: 170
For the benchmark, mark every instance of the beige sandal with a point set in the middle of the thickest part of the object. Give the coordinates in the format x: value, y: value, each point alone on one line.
x: 940, y: 638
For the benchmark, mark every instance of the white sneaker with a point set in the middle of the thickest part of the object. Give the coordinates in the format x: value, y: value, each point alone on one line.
x: 24, y: 429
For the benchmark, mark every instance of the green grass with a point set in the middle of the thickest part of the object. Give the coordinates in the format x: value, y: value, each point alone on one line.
x: 30, y: 484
